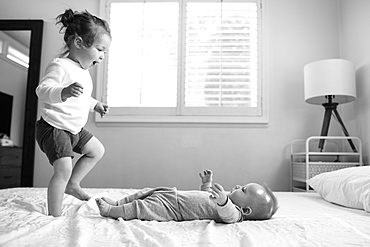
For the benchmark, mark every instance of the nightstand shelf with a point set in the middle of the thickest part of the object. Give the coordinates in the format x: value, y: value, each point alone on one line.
x: 10, y: 167
x: 307, y: 161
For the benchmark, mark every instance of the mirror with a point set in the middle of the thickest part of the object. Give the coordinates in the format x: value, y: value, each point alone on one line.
x: 35, y: 28
x: 14, y: 64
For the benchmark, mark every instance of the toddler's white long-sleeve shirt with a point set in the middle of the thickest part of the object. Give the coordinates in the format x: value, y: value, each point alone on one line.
x: 72, y: 114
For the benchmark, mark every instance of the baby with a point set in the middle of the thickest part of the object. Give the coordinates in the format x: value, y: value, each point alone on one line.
x: 249, y: 202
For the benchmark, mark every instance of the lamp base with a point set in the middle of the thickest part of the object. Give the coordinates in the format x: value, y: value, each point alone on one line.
x: 329, y: 109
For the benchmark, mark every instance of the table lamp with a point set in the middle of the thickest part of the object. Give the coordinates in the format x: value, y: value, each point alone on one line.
x: 330, y: 82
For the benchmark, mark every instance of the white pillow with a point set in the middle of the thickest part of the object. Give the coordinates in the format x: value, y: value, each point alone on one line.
x: 349, y: 187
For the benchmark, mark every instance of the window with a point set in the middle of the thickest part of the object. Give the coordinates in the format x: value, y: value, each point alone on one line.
x: 18, y: 57
x: 12, y: 50
x: 183, y: 61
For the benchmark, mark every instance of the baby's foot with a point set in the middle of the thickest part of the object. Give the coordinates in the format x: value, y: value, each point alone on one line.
x: 77, y: 192
x: 104, y: 207
x: 109, y: 201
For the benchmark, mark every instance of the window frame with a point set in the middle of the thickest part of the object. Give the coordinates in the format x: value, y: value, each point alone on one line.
x: 172, y: 114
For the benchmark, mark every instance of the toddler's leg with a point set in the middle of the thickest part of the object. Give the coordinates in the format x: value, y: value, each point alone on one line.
x: 92, y: 152
x: 57, y: 185
x: 107, y: 210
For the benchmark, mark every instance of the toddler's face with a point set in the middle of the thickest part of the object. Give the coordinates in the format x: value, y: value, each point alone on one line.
x: 91, y: 56
x: 249, y: 195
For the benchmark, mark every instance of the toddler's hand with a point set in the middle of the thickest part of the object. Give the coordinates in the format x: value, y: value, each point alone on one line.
x: 101, y: 108
x: 218, y: 195
x: 73, y: 90
x: 206, y: 176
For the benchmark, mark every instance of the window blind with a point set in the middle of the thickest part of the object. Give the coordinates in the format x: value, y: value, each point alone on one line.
x: 221, y: 60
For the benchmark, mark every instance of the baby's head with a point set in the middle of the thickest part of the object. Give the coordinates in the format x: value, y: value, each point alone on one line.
x: 257, y: 202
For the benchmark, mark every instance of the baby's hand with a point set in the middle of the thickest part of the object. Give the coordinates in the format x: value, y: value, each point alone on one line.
x: 73, y: 90
x: 218, y: 195
x: 101, y: 108
x: 206, y: 176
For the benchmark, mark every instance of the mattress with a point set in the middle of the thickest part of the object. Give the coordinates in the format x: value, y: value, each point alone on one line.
x: 303, y: 219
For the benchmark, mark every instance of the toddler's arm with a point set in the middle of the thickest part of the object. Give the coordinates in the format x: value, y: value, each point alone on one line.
x: 73, y: 90
x: 51, y: 85
x: 101, y: 108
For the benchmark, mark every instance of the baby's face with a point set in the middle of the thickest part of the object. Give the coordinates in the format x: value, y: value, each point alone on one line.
x: 249, y: 195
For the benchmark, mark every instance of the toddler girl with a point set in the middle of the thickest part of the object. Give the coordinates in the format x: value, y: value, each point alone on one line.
x: 65, y: 96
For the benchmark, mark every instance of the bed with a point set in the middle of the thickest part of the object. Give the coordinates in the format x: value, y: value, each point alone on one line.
x: 303, y: 219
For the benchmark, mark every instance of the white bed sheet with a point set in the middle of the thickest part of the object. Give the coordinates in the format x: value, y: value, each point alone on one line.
x: 303, y: 219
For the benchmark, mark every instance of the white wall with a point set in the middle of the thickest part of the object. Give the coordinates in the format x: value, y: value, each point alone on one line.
x: 297, y: 32
x: 355, y: 46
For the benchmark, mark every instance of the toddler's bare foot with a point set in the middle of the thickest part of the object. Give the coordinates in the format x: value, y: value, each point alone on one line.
x: 77, y: 192
x: 104, y: 207
x: 109, y: 201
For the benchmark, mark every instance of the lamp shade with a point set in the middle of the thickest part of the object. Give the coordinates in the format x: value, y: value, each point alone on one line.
x: 335, y: 77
